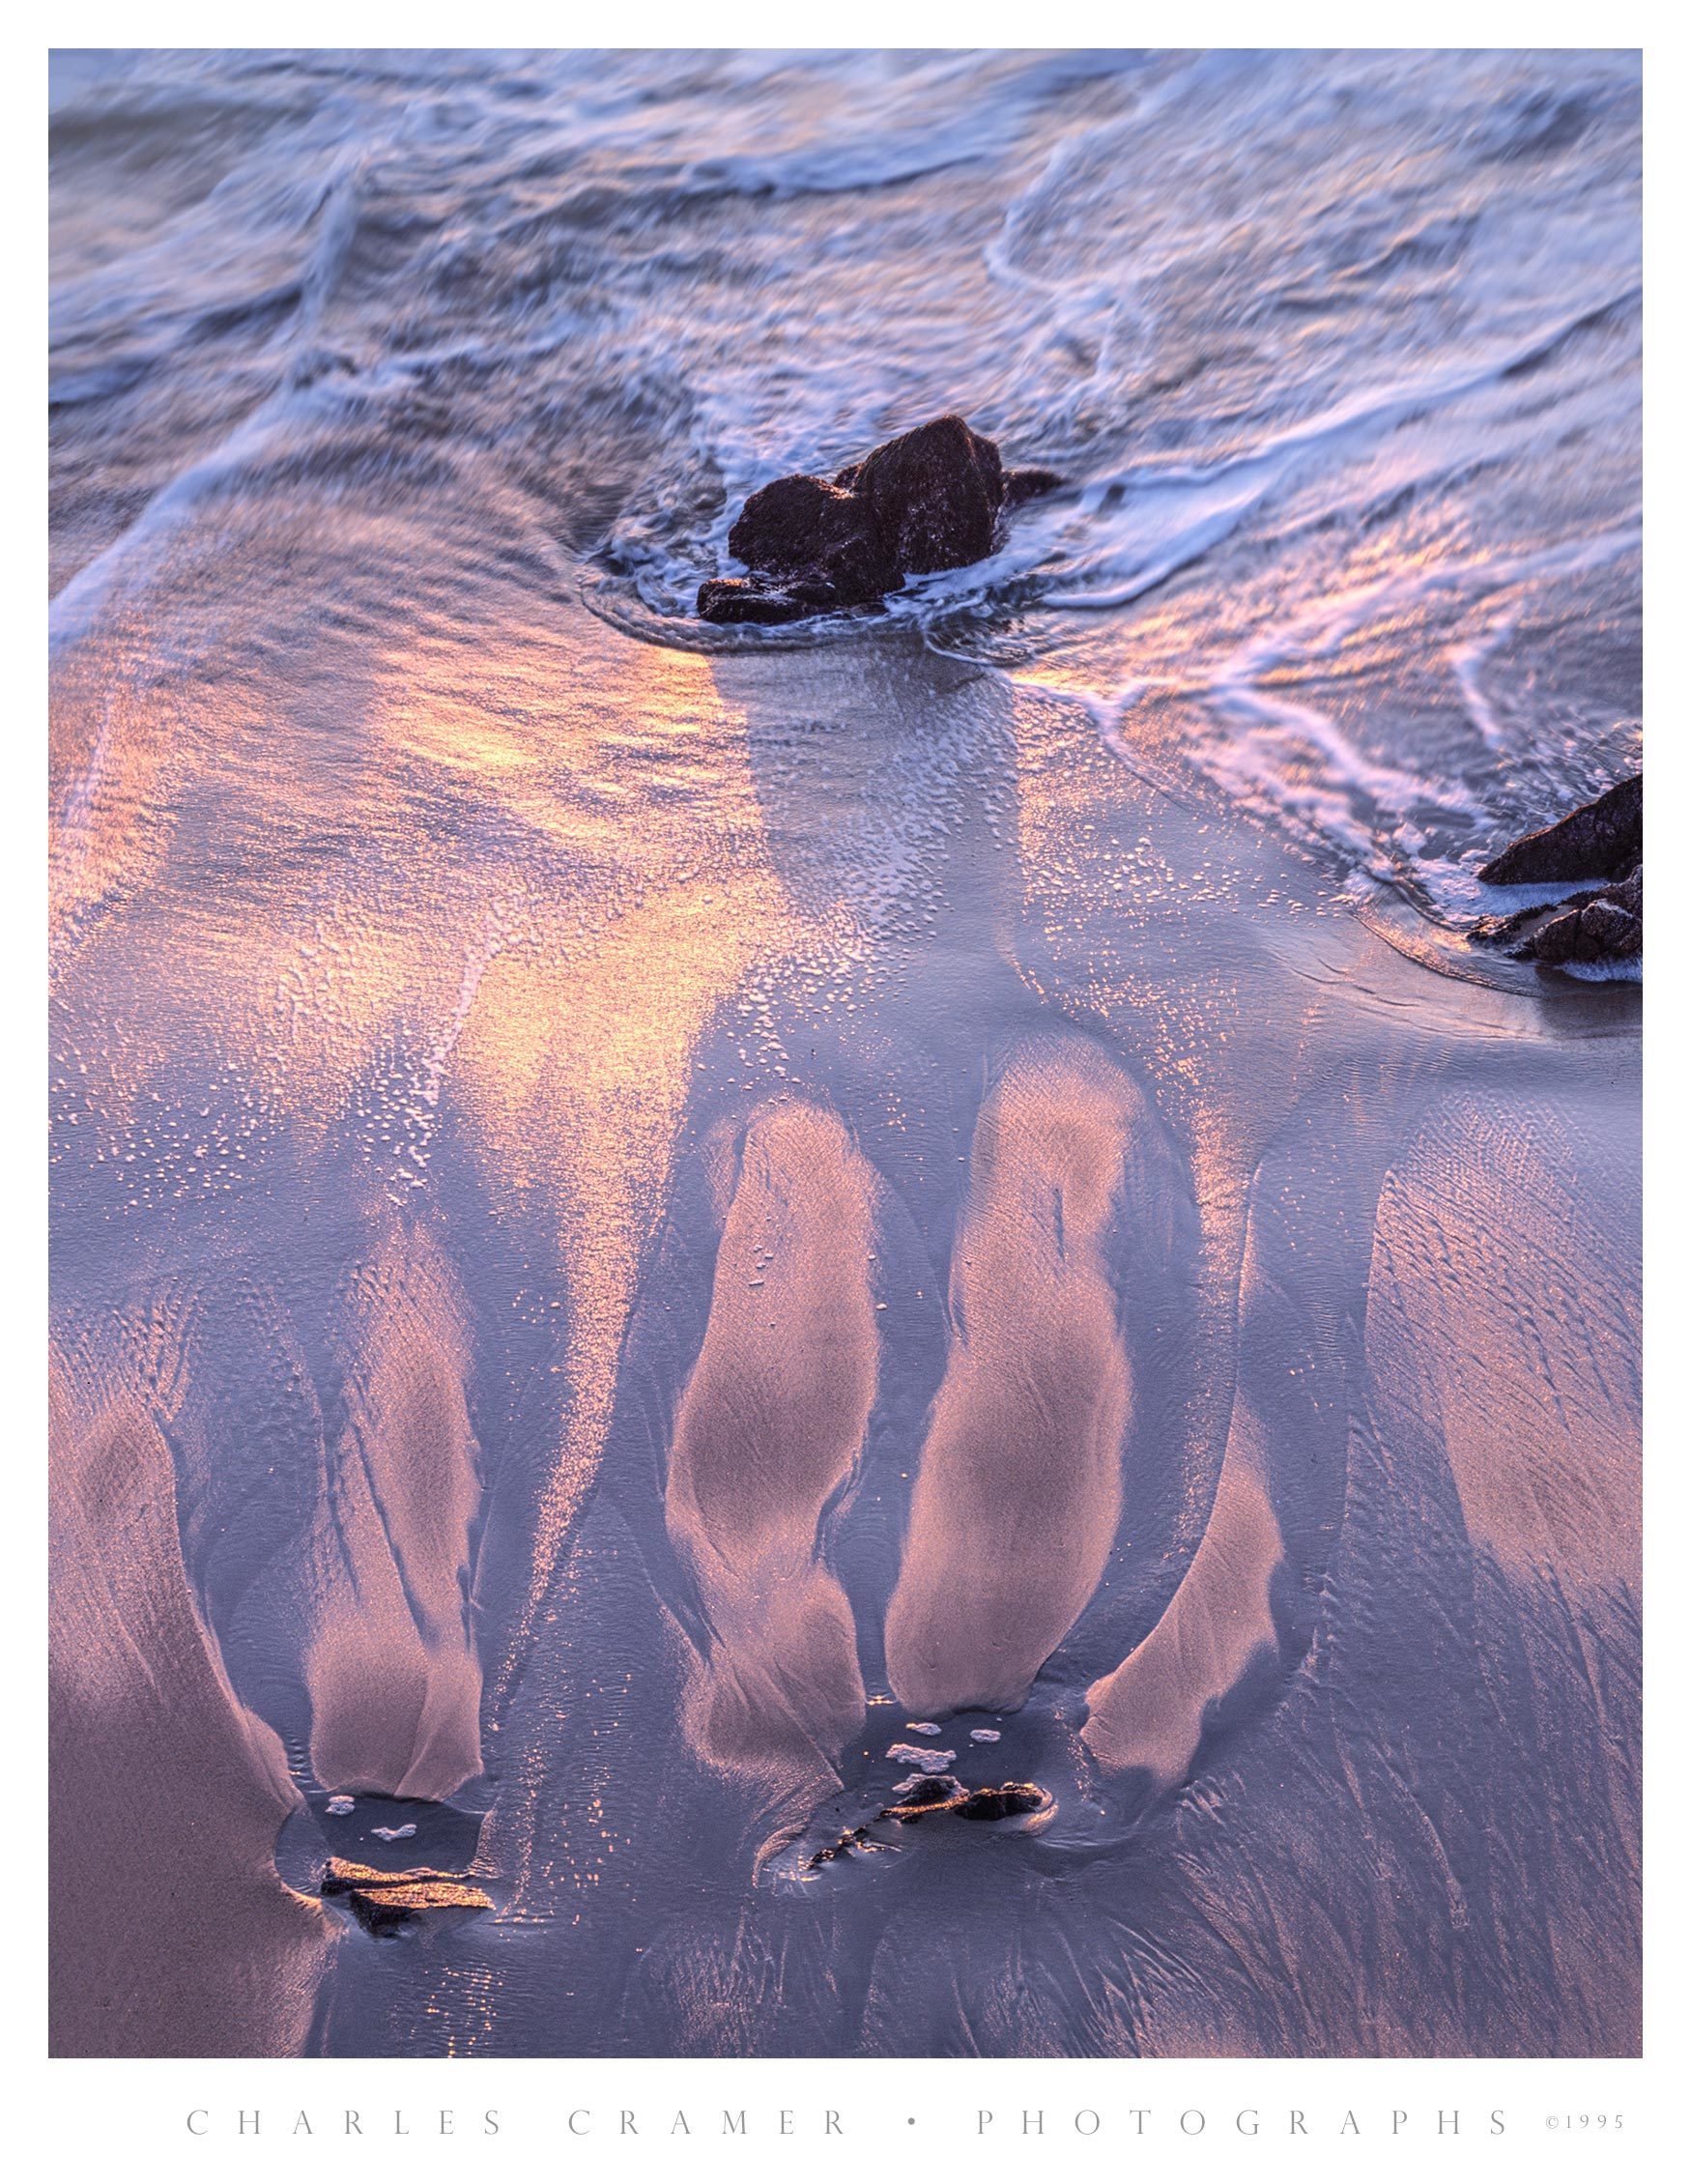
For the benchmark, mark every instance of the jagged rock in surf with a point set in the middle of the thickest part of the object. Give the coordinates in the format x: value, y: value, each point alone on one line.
x: 1602, y: 840
x: 1596, y: 925
x: 928, y: 499
x: 1591, y: 927
x: 1596, y: 931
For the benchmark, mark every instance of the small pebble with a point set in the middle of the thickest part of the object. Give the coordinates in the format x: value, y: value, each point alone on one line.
x: 924, y: 1728
x: 395, y: 1834
x: 340, y: 1805
x: 984, y: 1735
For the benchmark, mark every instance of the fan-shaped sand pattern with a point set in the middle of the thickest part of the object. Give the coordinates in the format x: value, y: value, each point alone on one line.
x: 1020, y: 1486
x: 768, y: 1428
x: 392, y: 1668
x: 1149, y: 1713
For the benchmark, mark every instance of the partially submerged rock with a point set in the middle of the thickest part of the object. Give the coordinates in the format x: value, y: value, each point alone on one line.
x: 387, y: 1903
x: 813, y: 544
x: 928, y: 499
x: 1592, y: 932
x: 1004, y: 1802
x: 1603, y: 840
x: 914, y: 1803
x: 934, y: 496
x: 921, y: 1800
x: 945, y: 1793
x: 855, y: 1839
x: 1596, y: 925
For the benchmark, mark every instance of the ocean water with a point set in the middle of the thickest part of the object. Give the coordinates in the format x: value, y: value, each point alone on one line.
x: 657, y: 1219
x: 1340, y: 357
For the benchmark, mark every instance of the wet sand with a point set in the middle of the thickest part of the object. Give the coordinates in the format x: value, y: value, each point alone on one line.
x: 748, y: 1201
x: 768, y: 1429
x: 1018, y: 1489
x: 171, y: 1933
x: 656, y: 1233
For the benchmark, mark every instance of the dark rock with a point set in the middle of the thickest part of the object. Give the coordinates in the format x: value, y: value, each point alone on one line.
x: 1591, y: 927
x: 945, y: 1793
x: 934, y: 1790
x: 1600, y: 932
x: 1602, y: 840
x: 1608, y: 930
x: 1002, y: 1803
x: 928, y: 499
x: 1596, y: 925
x: 922, y: 1801
x: 387, y: 1903
x: 934, y: 495
x: 819, y: 541
x: 1627, y: 894
x: 855, y: 1839
x: 1496, y: 933
x: 733, y: 598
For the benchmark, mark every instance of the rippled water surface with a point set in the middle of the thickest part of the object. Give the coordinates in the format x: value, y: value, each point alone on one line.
x: 646, y: 1214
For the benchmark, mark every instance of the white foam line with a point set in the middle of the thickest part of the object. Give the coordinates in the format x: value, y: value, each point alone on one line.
x: 1248, y: 763
x: 1466, y: 662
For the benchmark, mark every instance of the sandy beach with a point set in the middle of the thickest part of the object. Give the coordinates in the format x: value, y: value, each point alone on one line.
x: 1161, y: 1321
x: 647, y: 1217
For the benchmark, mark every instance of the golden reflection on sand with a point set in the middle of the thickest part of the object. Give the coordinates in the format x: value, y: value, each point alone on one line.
x: 768, y: 1428
x: 575, y: 1069
x: 558, y: 879
x: 1148, y: 1712
x: 109, y: 747
x: 575, y: 1062
x: 390, y: 1663
x: 1019, y: 1488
